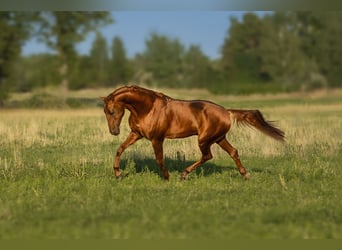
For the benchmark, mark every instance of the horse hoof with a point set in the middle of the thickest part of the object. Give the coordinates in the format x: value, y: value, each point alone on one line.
x: 119, y: 177
x: 183, y: 177
x: 247, y: 176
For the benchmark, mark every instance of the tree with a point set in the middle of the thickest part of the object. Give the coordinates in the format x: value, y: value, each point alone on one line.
x: 62, y: 30
x: 91, y: 70
x: 33, y: 71
x: 120, y: 70
x: 282, y: 48
x: 197, y: 68
x: 15, y: 29
x: 328, y: 51
x: 240, y: 56
x: 163, y: 58
x: 99, y: 60
x: 282, y: 57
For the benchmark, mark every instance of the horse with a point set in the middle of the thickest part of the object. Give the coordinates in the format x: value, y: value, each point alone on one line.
x: 156, y: 117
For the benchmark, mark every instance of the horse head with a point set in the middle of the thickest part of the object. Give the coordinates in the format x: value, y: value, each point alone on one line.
x: 114, y: 112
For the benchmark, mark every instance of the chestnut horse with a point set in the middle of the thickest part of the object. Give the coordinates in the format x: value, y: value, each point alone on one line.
x: 156, y: 116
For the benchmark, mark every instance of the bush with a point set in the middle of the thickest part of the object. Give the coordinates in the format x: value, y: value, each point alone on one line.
x: 44, y: 100
x: 245, y: 88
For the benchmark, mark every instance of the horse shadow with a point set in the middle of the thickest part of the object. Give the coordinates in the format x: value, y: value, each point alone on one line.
x: 141, y: 165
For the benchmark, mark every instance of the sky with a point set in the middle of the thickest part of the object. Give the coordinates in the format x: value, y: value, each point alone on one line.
x: 206, y: 29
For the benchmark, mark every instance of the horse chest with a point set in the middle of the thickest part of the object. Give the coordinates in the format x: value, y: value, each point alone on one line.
x: 144, y: 127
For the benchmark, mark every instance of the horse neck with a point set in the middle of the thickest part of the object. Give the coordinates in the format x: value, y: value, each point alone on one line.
x: 137, y: 103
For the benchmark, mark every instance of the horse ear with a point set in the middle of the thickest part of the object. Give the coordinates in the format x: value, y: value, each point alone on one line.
x: 102, y: 98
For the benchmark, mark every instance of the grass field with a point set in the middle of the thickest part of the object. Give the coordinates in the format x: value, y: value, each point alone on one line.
x: 56, y: 178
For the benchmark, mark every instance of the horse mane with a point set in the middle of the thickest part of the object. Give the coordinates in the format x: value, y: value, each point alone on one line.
x: 139, y: 89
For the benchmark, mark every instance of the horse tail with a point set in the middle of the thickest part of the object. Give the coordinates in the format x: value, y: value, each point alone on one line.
x: 255, y: 118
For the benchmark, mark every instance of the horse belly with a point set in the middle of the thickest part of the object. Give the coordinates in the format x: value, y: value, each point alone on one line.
x: 181, y: 127
x: 180, y: 134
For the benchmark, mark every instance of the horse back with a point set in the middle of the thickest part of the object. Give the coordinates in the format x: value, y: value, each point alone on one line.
x: 186, y: 118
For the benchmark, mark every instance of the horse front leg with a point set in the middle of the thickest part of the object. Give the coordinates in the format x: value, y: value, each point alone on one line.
x: 158, y: 151
x: 132, y: 138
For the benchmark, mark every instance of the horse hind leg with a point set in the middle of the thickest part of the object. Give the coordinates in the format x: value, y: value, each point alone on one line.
x: 226, y: 146
x: 206, y: 155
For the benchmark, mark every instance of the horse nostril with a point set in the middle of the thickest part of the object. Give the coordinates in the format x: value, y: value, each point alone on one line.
x: 115, y: 131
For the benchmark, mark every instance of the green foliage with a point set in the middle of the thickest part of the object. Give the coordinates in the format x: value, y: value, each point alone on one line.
x: 101, y: 70
x: 61, y: 30
x: 297, y: 50
x: 283, y: 60
x: 197, y: 69
x: 247, y: 88
x: 240, y: 55
x: 120, y: 70
x: 35, y: 71
x: 281, y: 51
x: 163, y: 59
x: 15, y: 29
x: 96, y: 64
x: 168, y: 63
x: 99, y: 58
x: 328, y: 52
x: 43, y: 100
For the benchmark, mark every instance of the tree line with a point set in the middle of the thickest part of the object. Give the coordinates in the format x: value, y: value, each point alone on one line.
x: 282, y: 51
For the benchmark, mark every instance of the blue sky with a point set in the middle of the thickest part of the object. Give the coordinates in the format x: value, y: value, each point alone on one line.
x: 204, y: 28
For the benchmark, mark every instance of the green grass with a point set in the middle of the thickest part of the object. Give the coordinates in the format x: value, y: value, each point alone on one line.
x: 56, y: 179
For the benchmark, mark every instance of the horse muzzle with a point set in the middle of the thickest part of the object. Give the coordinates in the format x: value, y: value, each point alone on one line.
x: 115, y: 131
